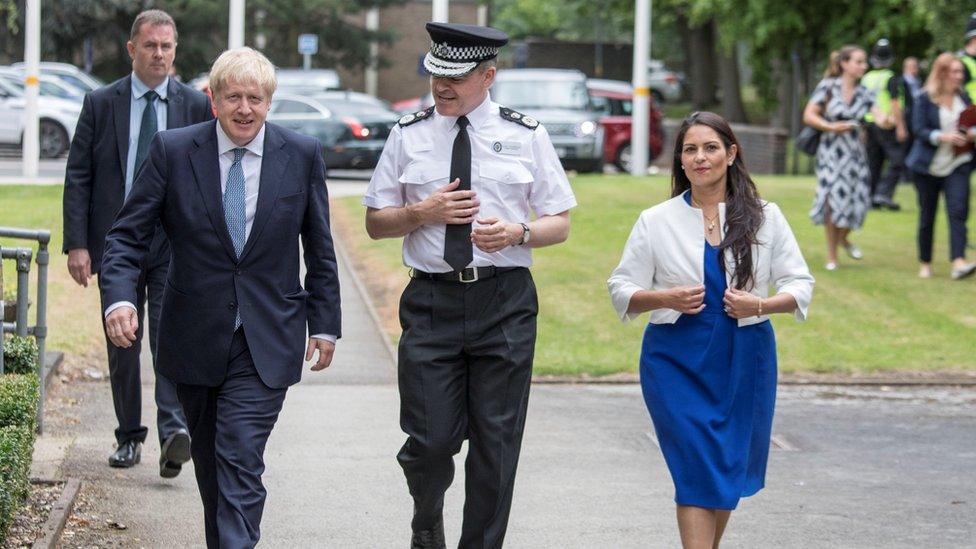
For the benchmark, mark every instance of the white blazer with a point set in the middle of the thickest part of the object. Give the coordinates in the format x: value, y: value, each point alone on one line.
x: 666, y: 249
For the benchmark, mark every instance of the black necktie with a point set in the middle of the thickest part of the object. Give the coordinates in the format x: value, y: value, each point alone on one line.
x: 457, y: 239
x: 147, y: 129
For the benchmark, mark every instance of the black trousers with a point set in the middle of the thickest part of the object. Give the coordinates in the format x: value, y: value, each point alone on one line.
x: 125, y: 372
x: 465, y: 366
x: 230, y: 425
x: 955, y: 186
x: 882, y: 144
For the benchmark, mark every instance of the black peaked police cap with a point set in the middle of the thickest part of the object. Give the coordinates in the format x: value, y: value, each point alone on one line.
x: 456, y: 49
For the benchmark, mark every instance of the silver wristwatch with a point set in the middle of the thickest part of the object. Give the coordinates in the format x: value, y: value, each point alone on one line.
x: 526, y: 233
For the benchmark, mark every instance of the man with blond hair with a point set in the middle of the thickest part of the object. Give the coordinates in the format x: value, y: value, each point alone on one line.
x: 237, y: 198
x: 116, y: 125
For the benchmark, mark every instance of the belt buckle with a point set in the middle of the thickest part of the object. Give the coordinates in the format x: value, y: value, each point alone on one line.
x: 468, y: 280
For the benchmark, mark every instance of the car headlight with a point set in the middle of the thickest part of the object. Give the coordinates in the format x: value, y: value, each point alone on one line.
x: 587, y: 128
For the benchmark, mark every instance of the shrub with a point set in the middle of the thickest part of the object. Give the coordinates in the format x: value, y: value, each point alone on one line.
x: 18, y: 406
x: 16, y: 448
x: 20, y: 355
x: 18, y: 400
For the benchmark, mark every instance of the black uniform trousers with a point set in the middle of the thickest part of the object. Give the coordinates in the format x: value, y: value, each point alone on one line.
x: 230, y: 425
x: 465, y: 366
x: 883, y: 144
x: 123, y: 364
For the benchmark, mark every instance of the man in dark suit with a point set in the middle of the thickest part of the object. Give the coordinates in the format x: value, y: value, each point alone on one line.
x: 236, y: 199
x: 116, y: 125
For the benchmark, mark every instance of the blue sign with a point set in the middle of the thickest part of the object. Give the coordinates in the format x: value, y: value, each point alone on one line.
x: 308, y: 44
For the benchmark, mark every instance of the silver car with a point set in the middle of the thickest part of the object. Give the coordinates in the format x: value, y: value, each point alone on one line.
x: 558, y: 98
x: 58, y: 118
x: 665, y: 84
x: 68, y: 73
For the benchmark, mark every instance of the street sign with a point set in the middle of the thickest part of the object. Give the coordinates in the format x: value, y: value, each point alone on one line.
x: 308, y: 44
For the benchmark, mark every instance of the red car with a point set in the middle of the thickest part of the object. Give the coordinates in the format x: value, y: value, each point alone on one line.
x: 614, y: 99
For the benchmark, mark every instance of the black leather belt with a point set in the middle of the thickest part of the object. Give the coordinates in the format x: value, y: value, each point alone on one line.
x: 471, y: 274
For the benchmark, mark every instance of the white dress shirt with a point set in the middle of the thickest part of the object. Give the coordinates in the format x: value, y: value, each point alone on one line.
x: 666, y: 249
x: 514, y: 171
x: 251, y: 165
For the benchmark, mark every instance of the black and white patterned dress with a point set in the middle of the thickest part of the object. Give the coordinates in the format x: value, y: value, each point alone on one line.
x: 843, y: 176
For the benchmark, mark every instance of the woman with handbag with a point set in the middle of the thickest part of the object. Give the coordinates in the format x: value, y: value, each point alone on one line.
x: 835, y: 108
x: 704, y: 263
x: 941, y: 160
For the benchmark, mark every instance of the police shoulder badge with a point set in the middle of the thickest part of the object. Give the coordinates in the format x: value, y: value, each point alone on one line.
x: 415, y: 117
x: 519, y: 118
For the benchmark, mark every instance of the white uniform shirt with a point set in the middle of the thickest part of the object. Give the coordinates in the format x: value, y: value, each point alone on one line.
x: 514, y: 172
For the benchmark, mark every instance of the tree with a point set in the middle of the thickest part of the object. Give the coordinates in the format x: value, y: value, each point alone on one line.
x: 202, y: 26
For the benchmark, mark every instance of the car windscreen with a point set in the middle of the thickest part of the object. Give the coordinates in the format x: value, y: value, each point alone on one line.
x: 538, y: 94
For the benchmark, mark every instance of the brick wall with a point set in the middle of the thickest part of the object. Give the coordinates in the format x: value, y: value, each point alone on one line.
x: 763, y: 148
x: 402, y: 78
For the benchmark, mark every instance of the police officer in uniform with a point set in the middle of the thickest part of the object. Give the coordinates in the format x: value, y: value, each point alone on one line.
x: 459, y: 182
x: 886, y: 127
x: 968, y: 57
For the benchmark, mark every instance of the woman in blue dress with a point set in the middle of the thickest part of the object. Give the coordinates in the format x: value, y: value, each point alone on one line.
x: 702, y: 264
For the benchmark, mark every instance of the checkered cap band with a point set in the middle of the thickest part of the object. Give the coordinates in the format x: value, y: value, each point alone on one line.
x: 459, y: 53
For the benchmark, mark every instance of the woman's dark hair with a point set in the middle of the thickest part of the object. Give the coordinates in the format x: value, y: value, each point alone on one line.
x: 743, y: 206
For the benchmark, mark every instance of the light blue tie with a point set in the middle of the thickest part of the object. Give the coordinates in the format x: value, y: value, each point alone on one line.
x: 234, y: 210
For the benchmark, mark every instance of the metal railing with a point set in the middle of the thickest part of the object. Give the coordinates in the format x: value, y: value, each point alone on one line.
x: 20, y: 326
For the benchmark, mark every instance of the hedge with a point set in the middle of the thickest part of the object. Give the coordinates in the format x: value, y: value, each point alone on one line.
x: 19, y: 355
x: 18, y: 406
x: 18, y: 400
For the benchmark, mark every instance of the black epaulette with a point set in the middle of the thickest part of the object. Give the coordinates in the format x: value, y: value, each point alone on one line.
x: 519, y: 118
x: 415, y: 117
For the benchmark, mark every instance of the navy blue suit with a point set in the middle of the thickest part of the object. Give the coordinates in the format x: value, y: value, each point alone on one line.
x: 231, y: 382
x: 94, y: 189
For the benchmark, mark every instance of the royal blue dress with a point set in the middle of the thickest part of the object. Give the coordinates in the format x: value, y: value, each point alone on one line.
x: 710, y: 387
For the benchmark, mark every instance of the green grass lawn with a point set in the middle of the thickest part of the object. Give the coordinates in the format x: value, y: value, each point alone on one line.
x: 72, y: 311
x: 868, y: 316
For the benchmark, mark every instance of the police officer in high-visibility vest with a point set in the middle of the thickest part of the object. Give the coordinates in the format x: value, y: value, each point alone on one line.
x: 968, y: 56
x: 886, y: 127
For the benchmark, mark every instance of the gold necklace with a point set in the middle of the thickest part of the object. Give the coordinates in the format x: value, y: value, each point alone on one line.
x: 711, y: 220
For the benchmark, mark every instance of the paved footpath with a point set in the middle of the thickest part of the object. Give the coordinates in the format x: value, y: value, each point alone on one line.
x: 851, y: 468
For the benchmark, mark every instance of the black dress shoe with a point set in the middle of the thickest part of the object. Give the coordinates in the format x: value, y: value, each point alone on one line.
x: 432, y: 538
x: 175, y: 452
x: 126, y: 455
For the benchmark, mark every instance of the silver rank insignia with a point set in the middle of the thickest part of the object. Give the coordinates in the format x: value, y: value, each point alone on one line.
x: 411, y: 118
x: 519, y: 118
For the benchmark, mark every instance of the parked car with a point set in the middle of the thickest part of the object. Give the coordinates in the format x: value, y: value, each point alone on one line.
x: 413, y: 104
x: 352, y: 127
x: 70, y: 74
x: 557, y: 98
x: 58, y: 118
x: 614, y: 100
x: 665, y: 84
x: 308, y: 81
x: 49, y: 86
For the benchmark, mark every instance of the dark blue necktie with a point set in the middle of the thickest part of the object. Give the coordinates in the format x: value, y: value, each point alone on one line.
x: 147, y: 129
x: 234, y: 210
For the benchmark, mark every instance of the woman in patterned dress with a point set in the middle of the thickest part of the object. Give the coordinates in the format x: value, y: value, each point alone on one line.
x: 843, y: 178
